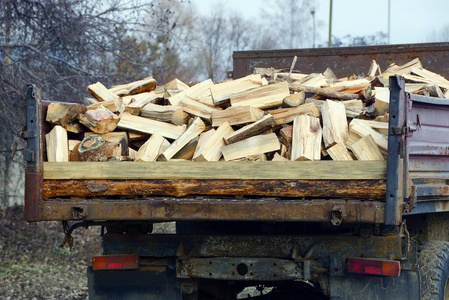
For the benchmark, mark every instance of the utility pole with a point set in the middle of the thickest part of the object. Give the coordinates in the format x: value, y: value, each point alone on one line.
x: 313, y: 18
x: 330, y: 25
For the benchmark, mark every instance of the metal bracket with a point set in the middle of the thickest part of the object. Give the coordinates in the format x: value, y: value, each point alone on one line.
x: 338, y: 214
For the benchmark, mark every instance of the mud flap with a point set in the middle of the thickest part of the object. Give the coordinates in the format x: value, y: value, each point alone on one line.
x: 355, y: 286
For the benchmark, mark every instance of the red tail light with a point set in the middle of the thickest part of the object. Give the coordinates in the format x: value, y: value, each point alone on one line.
x: 374, y: 266
x: 115, y: 262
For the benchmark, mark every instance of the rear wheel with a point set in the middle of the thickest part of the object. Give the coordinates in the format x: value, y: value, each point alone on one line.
x: 433, y: 264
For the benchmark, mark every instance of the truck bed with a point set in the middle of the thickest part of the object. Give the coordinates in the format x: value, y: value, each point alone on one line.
x: 414, y: 179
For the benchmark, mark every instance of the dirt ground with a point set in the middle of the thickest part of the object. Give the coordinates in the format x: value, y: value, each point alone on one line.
x: 33, y: 266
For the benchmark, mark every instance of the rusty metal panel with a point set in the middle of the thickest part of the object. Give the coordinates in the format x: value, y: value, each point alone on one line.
x: 428, y: 153
x: 430, y: 136
x: 344, y: 61
x: 213, y: 209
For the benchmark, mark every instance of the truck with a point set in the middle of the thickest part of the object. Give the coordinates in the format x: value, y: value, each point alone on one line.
x: 267, y: 230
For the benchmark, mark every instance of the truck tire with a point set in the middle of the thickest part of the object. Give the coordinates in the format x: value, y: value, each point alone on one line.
x: 433, y: 262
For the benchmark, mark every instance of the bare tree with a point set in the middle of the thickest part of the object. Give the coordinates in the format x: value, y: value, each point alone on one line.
x: 62, y: 46
x: 222, y: 33
x: 440, y: 35
x: 290, y: 22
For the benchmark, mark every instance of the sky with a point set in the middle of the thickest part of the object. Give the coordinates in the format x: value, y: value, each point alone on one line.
x: 412, y: 21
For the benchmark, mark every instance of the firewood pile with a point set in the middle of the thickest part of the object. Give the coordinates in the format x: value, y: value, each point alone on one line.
x: 269, y: 115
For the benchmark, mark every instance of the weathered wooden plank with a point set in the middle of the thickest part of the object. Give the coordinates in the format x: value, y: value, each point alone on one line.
x: 357, y: 189
x: 217, y: 170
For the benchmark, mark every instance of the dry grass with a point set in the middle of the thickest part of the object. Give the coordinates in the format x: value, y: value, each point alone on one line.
x: 32, y: 264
